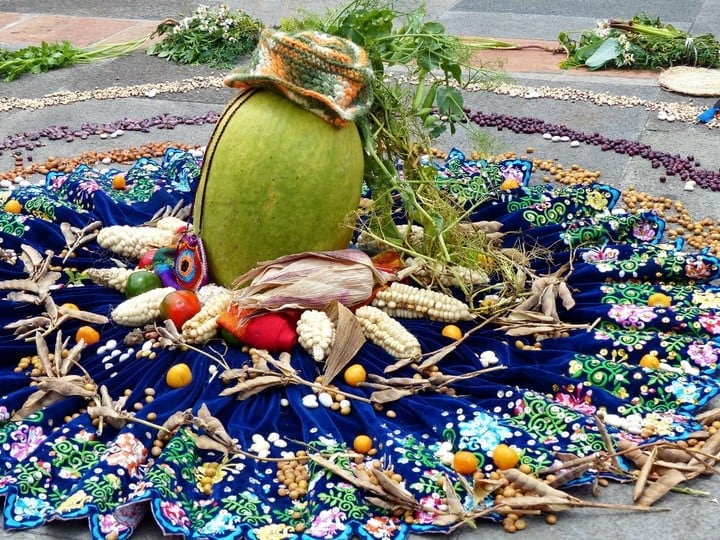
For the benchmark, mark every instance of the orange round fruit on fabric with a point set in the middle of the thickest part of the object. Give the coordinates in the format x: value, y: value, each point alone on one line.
x: 505, y: 457
x: 13, y: 206
x: 452, y: 331
x: 118, y: 181
x: 509, y: 183
x: 355, y: 374
x: 362, y: 444
x: 70, y: 305
x: 178, y: 376
x: 649, y: 361
x: 88, y: 334
x: 465, y: 462
x: 659, y: 300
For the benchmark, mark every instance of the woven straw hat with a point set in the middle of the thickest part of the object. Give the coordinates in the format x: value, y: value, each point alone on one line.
x: 325, y: 74
x: 694, y: 81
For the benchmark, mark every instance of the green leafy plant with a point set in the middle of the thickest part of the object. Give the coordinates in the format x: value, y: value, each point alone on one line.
x: 641, y: 42
x: 48, y: 56
x: 214, y: 36
x: 420, y: 71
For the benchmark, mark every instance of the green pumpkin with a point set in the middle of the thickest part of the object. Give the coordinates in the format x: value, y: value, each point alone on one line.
x: 276, y: 180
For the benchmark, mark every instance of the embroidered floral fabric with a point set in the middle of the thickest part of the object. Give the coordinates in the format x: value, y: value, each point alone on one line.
x: 55, y: 464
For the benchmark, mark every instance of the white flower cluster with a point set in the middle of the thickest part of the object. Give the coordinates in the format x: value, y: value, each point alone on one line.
x: 210, y: 21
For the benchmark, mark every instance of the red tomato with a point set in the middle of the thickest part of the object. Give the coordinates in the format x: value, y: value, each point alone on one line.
x: 179, y: 306
x: 146, y: 259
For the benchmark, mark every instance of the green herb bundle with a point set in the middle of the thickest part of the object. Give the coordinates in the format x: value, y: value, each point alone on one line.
x: 214, y: 36
x: 47, y: 56
x: 641, y: 43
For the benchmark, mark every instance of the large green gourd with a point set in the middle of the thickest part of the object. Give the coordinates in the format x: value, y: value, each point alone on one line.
x: 277, y: 179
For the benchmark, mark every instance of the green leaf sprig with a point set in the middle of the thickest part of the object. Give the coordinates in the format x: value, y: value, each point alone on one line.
x: 214, y: 36
x: 48, y: 56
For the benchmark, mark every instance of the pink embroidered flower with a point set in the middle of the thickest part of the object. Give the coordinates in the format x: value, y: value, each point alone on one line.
x: 579, y: 400
x: 174, y: 513
x: 697, y: 269
x: 644, y: 231
x: 27, y: 439
x: 703, y: 354
x: 426, y: 515
x: 630, y: 316
x: 127, y: 452
x: 711, y: 323
x: 327, y: 523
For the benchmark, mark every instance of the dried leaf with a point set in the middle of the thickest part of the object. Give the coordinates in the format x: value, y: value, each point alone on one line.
x: 399, y: 364
x: 437, y: 356
x: 659, y: 488
x: 452, y: 500
x: 389, y: 395
x: 115, y: 418
x: 349, y: 338
x: 177, y: 419
x: 254, y: 386
x: 208, y: 443
x: 35, y: 402
x: 394, y: 490
x: 643, y: 475
x: 213, y: 427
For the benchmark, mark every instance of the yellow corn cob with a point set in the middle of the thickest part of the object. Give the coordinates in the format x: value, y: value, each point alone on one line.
x: 406, y: 301
x: 141, y: 309
x: 172, y: 224
x: 203, y: 325
x: 132, y: 242
x: 384, y: 331
x: 316, y: 333
x: 114, y: 278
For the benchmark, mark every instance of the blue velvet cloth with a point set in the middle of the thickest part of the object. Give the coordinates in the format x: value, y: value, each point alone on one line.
x: 56, y: 464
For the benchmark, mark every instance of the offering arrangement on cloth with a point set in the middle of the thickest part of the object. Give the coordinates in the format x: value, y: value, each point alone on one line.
x: 328, y: 394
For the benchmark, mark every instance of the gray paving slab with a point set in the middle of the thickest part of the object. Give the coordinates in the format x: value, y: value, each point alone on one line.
x: 688, y: 517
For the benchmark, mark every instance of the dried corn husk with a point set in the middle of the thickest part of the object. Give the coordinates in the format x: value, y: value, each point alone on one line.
x: 311, y: 280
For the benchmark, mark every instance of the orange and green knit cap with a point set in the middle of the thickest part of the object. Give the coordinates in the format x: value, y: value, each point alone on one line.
x: 322, y: 73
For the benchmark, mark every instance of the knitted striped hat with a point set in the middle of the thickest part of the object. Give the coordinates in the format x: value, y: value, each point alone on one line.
x: 325, y: 74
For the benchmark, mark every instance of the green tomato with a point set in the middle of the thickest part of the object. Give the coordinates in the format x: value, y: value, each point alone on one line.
x: 141, y: 281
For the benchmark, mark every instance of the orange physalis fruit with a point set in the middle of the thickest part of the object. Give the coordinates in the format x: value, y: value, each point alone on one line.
x: 362, y: 444
x: 509, y: 183
x: 88, y: 334
x: 178, y: 376
x: 659, y: 300
x: 355, y: 374
x: 649, y: 360
x: 452, y: 331
x: 465, y: 462
x: 505, y: 457
x: 13, y: 206
x: 118, y: 181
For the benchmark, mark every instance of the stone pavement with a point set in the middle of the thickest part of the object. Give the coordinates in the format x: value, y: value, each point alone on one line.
x: 537, y: 23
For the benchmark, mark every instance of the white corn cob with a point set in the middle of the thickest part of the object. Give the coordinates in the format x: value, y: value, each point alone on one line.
x: 384, y: 331
x: 132, y: 242
x: 172, y: 224
x: 406, y: 301
x: 114, y: 278
x: 141, y: 309
x: 316, y: 333
x: 203, y: 325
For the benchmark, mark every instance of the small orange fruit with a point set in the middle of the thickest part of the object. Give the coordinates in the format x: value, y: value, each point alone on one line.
x: 509, y: 183
x: 649, y: 360
x: 355, y: 374
x: 465, y: 462
x: 659, y: 299
x: 118, y: 181
x: 452, y: 331
x: 505, y: 457
x: 362, y: 444
x: 69, y: 306
x: 179, y: 376
x: 88, y: 334
x: 13, y: 206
